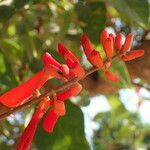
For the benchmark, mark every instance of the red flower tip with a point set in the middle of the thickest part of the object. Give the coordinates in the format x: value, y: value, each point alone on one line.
x: 50, y: 121
x: 108, y: 47
x: 87, y: 45
x: 128, y: 43
x: 118, y: 42
x: 96, y: 59
x: 84, y: 38
x: 59, y: 108
x: 72, y: 91
x: 61, y: 49
x: 112, y: 36
x: 132, y: 55
x: 49, y: 60
x: 111, y: 76
x: 103, y: 36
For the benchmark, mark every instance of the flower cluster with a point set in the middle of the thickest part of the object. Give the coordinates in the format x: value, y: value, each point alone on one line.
x: 55, y: 107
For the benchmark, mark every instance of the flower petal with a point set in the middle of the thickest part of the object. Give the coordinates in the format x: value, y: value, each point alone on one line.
x: 128, y: 43
x: 132, y: 55
x: 118, y: 42
x: 103, y: 36
x: 50, y: 121
x: 49, y: 60
x: 108, y: 47
x: 59, y: 107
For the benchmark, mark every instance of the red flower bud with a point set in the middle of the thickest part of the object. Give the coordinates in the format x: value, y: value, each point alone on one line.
x: 108, y: 47
x: 87, y: 46
x: 128, y: 43
x: 93, y: 56
x: 132, y: 55
x: 96, y: 59
x: 111, y: 76
x: 103, y: 36
x: 118, y: 42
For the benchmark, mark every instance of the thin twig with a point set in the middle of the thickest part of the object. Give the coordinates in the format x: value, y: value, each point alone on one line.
x: 57, y: 90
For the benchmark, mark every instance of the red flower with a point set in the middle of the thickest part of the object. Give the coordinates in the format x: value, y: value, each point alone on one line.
x: 28, y: 134
x: 72, y: 61
x: 19, y: 94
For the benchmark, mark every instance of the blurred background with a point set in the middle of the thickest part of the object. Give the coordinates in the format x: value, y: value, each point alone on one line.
x: 105, y: 116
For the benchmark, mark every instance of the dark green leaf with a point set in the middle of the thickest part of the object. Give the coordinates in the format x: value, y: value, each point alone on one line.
x: 6, y: 12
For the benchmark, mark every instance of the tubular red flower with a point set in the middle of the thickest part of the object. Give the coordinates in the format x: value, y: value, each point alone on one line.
x: 118, y: 42
x: 50, y: 121
x: 103, y: 36
x: 19, y: 94
x: 108, y: 47
x: 132, y: 55
x: 111, y: 76
x: 128, y: 43
x: 28, y: 134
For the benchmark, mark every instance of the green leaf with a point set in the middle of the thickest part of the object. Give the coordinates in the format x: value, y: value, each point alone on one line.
x: 6, y: 12
x: 134, y: 10
x: 92, y: 16
x: 68, y: 133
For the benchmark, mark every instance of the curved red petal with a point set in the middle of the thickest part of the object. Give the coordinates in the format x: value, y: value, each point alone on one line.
x: 133, y: 55
x: 87, y: 45
x: 72, y: 91
x: 96, y: 59
x: 50, y: 121
x: 103, y: 36
x: 49, y: 60
x: 128, y: 43
x: 118, y: 42
x: 59, y: 108
x: 108, y: 47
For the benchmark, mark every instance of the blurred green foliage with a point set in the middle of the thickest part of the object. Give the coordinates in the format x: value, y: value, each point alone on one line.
x: 28, y: 28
